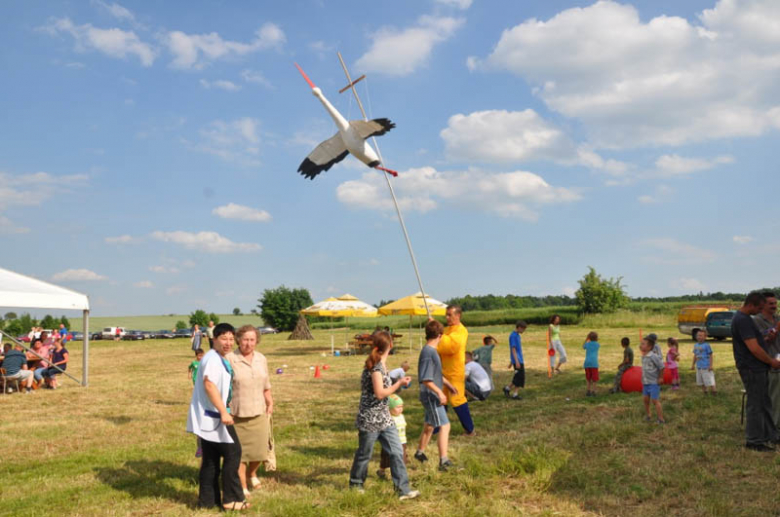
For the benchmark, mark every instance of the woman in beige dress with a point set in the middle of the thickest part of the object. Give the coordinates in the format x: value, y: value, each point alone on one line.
x: 252, y: 404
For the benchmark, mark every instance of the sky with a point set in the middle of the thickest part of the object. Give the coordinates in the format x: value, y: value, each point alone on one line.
x: 148, y: 150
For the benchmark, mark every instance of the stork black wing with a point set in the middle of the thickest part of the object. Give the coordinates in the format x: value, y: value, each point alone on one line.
x: 323, y: 157
x: 376, y: 127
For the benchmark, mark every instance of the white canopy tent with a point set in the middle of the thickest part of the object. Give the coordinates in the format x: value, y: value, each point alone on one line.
x: 23, y: 292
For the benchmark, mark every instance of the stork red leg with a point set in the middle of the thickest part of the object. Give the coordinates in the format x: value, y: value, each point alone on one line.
x: 394, y: 173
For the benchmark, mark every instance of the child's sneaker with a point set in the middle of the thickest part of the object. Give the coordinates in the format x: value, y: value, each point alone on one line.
x: 409, y: 495
x: 199, y: 453
x: 420, y: 456
x: 445, y: 466
x: 648, y: 419
x: 357, y: 488
x: 516, y: 397
x: 506, y: 391
x: 659, y: 421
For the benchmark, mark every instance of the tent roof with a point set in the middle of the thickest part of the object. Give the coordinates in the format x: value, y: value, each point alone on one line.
x: 20, y: 291
x: 413, y: 305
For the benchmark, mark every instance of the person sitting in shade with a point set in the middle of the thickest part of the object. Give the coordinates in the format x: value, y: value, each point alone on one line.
x: 478, y: 383
x: 15, y: 364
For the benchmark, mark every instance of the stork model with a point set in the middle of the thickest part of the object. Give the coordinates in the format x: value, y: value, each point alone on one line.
x: 351, y: 138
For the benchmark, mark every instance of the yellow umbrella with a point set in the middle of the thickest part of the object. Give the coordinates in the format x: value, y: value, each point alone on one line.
x: 413, y: 305
x: 341, y: 307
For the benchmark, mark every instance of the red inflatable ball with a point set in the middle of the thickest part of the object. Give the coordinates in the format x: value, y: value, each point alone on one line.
x: 551, y: 352
x: 632, y: 380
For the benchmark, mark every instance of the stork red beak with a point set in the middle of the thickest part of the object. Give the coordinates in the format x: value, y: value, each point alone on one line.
x: 305, y: 76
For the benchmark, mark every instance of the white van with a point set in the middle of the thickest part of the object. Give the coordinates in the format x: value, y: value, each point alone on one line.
x: 110, y: 332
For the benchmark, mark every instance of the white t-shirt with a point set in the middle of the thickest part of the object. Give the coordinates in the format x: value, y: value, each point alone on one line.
x: 209, y: 426
x: 479, y: 376
x: 397, y: 374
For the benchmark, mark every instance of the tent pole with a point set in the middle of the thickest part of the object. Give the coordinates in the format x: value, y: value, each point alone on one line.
x: 85, y: 351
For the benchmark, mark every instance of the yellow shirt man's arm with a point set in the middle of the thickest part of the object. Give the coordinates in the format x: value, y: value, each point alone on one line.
x: 454, y: 342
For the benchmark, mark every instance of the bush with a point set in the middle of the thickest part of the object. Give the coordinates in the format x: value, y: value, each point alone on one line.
x: 597, y: 294
x: 180, y: 325
x: 202, y: 319
x: 280, y: 307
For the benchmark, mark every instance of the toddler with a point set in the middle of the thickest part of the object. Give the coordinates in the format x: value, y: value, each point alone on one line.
x: 628, y: 362
x: 193, y: 369
x: 396, y: 406
x: 591, y: 364
x: 672, y: 356
x: 702, y: 361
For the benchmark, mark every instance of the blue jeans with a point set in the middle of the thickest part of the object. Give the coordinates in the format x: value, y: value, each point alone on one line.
x: 391, y: 444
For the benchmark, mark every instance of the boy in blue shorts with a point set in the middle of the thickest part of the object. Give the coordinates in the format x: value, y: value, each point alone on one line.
x: 652, y: 366
x: 432, y: 397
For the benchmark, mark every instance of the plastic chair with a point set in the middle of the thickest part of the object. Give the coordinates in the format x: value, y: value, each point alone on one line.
x: 5, y: 380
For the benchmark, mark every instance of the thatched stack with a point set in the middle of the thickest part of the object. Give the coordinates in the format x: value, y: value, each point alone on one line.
x: 301, y: 331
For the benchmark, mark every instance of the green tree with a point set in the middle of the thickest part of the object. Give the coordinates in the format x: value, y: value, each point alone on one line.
x: 14, y: 328
x: 597, y: 294
x: 10, y: 315
x: 180, y: 325
x: 280, y: 307
x: 65, y: 322
x: 27, y: 322
x: 236, y: 312
x: 48, y: 322
x: 202, y: 319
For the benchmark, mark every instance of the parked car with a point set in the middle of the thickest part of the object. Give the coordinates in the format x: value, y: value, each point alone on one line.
x: 96, y: 336
x: 24, y: 339
x: 134, y: 335
x: 695, y: 317
x: 267, y: 330
x: 148, y: 334
x: 76, y: 336
x: 110, y: 332
x: 183, y: 333
x: 163, y: 334
x: 719, y: 324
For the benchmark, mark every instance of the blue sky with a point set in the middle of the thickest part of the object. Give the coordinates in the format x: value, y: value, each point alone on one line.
x: 148, y: 151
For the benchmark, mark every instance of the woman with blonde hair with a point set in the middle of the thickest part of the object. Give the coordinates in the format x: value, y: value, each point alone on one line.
x: 252, y: 404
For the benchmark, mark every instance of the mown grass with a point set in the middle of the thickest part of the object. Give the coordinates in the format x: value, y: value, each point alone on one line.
x: 119, y: 446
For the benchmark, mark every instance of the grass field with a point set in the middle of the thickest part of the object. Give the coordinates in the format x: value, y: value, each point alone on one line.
x: 156, y: 322
x: 119, y: 446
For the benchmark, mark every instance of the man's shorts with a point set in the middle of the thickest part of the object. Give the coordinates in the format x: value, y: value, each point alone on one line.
x: 651, y: 390
x: 519, y: 378
x: 20, y: 375
x: 592, y: 374
x: 705, y: 377
x: 434, y: 413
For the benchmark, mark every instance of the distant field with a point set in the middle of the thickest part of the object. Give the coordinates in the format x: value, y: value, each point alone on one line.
x: 156, y: 322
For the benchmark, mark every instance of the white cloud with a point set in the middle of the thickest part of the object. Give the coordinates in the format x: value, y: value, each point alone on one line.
x: 144, y: 284
x: 220, y: 84
x: 400, y: 53
x: 666, y: 250
x: 8, y: 227
x: 460, y: 4
x: 742, y: 239
x: 111, y: 42
x: 77, y: 275
x: 164, y: 269
x: 510, y: 194
x: 117, y: 11
x: 233, y: 141
x: 210, y: 242
x: 176, y: 289
x: 665, y: 81
x: 675, y: 165
x: 33, y: 189
x: 253, y: 76
x: 242, y: 213
x: 688, y: 285
x: 661, y: 194
x: 122, y: 239
x: 502, y: 136
x: 197, y: 50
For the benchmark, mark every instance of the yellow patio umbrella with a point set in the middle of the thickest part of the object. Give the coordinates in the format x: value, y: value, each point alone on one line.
x: 413, y: 305
x: 342, y: 307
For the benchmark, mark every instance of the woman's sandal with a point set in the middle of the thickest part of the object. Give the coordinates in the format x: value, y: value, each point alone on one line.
x: 255, y: 482
x: 237, y: 506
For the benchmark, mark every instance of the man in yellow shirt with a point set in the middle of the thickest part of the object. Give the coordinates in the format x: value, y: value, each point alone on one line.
x: 452, y: 350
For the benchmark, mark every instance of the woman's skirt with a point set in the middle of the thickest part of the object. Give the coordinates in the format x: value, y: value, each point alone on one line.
x: 254, y: 434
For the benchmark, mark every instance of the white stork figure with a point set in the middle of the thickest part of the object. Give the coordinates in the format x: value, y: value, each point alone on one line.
x: 351, y: 138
